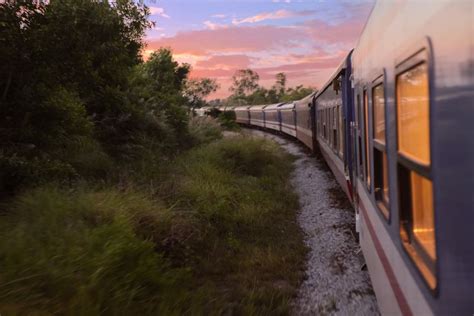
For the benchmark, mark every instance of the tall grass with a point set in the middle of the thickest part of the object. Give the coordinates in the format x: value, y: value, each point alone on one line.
x: 218, y: 235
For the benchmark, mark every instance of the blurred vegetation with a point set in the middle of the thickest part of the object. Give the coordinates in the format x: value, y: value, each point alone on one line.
x: 214, y: 232
x: 114, y: 200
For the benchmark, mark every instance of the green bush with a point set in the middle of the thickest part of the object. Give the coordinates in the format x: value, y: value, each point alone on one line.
x: 227, y: 120
x: 204, y: 130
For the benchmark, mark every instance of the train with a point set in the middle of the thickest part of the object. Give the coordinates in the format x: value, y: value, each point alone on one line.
x: 394, y: 123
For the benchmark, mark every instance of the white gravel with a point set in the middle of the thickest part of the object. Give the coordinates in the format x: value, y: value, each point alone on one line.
x: 336, y: 282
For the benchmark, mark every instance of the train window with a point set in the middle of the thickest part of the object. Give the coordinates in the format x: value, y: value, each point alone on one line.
x: 341, y: 132
x: 381, y: 190
x: 417, y: 224
x: 327, y: 125
x: 378, y: 101
x: 320, y: 114
x: 334, y: 128
x: 359, y: 138
x: 324, y: 123
x: 413, y: 114
x: 366, y: 139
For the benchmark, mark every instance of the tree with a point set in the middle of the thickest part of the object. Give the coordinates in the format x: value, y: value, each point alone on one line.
x: 64, y: 80
x: 157, y: 87
x: 196, y: 90
x: 244, y: 81
x: 297, y: 93
x: 280, y: 85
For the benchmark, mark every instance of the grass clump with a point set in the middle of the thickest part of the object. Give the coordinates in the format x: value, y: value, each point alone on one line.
x: 250, y: 246
x: 219, y: 236
x: 84, y: 253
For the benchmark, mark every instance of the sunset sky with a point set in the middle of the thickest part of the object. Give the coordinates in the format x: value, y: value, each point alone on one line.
x: 306, y: 39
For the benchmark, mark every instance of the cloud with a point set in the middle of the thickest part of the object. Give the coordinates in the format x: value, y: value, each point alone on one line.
x: 280, y: 14
x: 219, y: 16
x: 307, y: 51
x: 213, y: 26
x: 158, y: 11
x: 225, y: 62
x: 231, y: 39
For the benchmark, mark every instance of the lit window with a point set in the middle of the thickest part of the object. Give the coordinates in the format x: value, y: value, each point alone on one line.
x: 378, y: 101
x: 417, y: 224
x: 381, y: 190
x: 341, y: 132
x: 366, y: 134
x: 413, y: 114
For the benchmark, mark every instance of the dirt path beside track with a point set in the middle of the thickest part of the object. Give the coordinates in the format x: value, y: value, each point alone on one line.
x: 336, y: 281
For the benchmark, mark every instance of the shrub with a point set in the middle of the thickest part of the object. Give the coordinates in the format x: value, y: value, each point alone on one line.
x: 227, y: 120
x: 204, y: 130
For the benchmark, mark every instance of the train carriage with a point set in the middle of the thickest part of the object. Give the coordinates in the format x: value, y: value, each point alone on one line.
x: 304, y: 126
x: 332, y: 114
x: 257, y: 116
x: 288, y: 118
x: 272, y: 118
x: 413, y: 176
x: 242, y: 114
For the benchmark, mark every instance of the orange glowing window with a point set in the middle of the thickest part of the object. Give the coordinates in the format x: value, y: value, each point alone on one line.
x: 379, y: 113
x: 380, y: 176
x: 413, y: 114
x: 366, y: 134
x: 422, y: 212
x: 417, y: 214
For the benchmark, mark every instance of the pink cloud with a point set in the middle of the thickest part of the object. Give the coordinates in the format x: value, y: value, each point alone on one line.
x: 280, y: 14
x: 225, y: 62
x: 231, y: 39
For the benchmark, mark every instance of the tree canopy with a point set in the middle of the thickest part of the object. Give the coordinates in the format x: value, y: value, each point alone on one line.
x: 246, y: 90
x: 73, y: 85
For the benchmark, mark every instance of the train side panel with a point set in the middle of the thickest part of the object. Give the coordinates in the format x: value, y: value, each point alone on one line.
x: 414, y: 96
x: 304, y: 130
x: 288, y: 119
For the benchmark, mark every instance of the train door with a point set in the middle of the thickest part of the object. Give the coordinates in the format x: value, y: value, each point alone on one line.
x: 355, y: 141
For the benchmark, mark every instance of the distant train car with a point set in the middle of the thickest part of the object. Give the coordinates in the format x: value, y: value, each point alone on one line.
x: 272, y: 118
x: 304, y: 127
x: 333, y: 115
x: 287, y: 116
x: 257, y: 116
x: 242, y: 114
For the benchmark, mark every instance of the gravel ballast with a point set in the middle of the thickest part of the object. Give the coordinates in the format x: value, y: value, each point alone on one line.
x: 336, y: 282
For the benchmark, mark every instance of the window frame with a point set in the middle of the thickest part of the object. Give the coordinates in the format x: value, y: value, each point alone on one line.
x: 382, y: 205
x: 421, y: 56
x: 366, y: 139
x: 360, y: 153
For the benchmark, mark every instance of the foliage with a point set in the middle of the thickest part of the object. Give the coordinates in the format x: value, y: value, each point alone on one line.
x: 218, y: 236
x: 156, y: 87
x: 246, y: 90
x: 197, y: 90
x: 244, y: 81
x: 297, y: 93
x: 64, y: 77
x: 86, y: 253
x: 227, y: 120
x: 280, y: 84
x: 204, y: 129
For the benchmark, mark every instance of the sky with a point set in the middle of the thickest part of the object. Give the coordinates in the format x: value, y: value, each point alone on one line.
x: 305, y: 39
